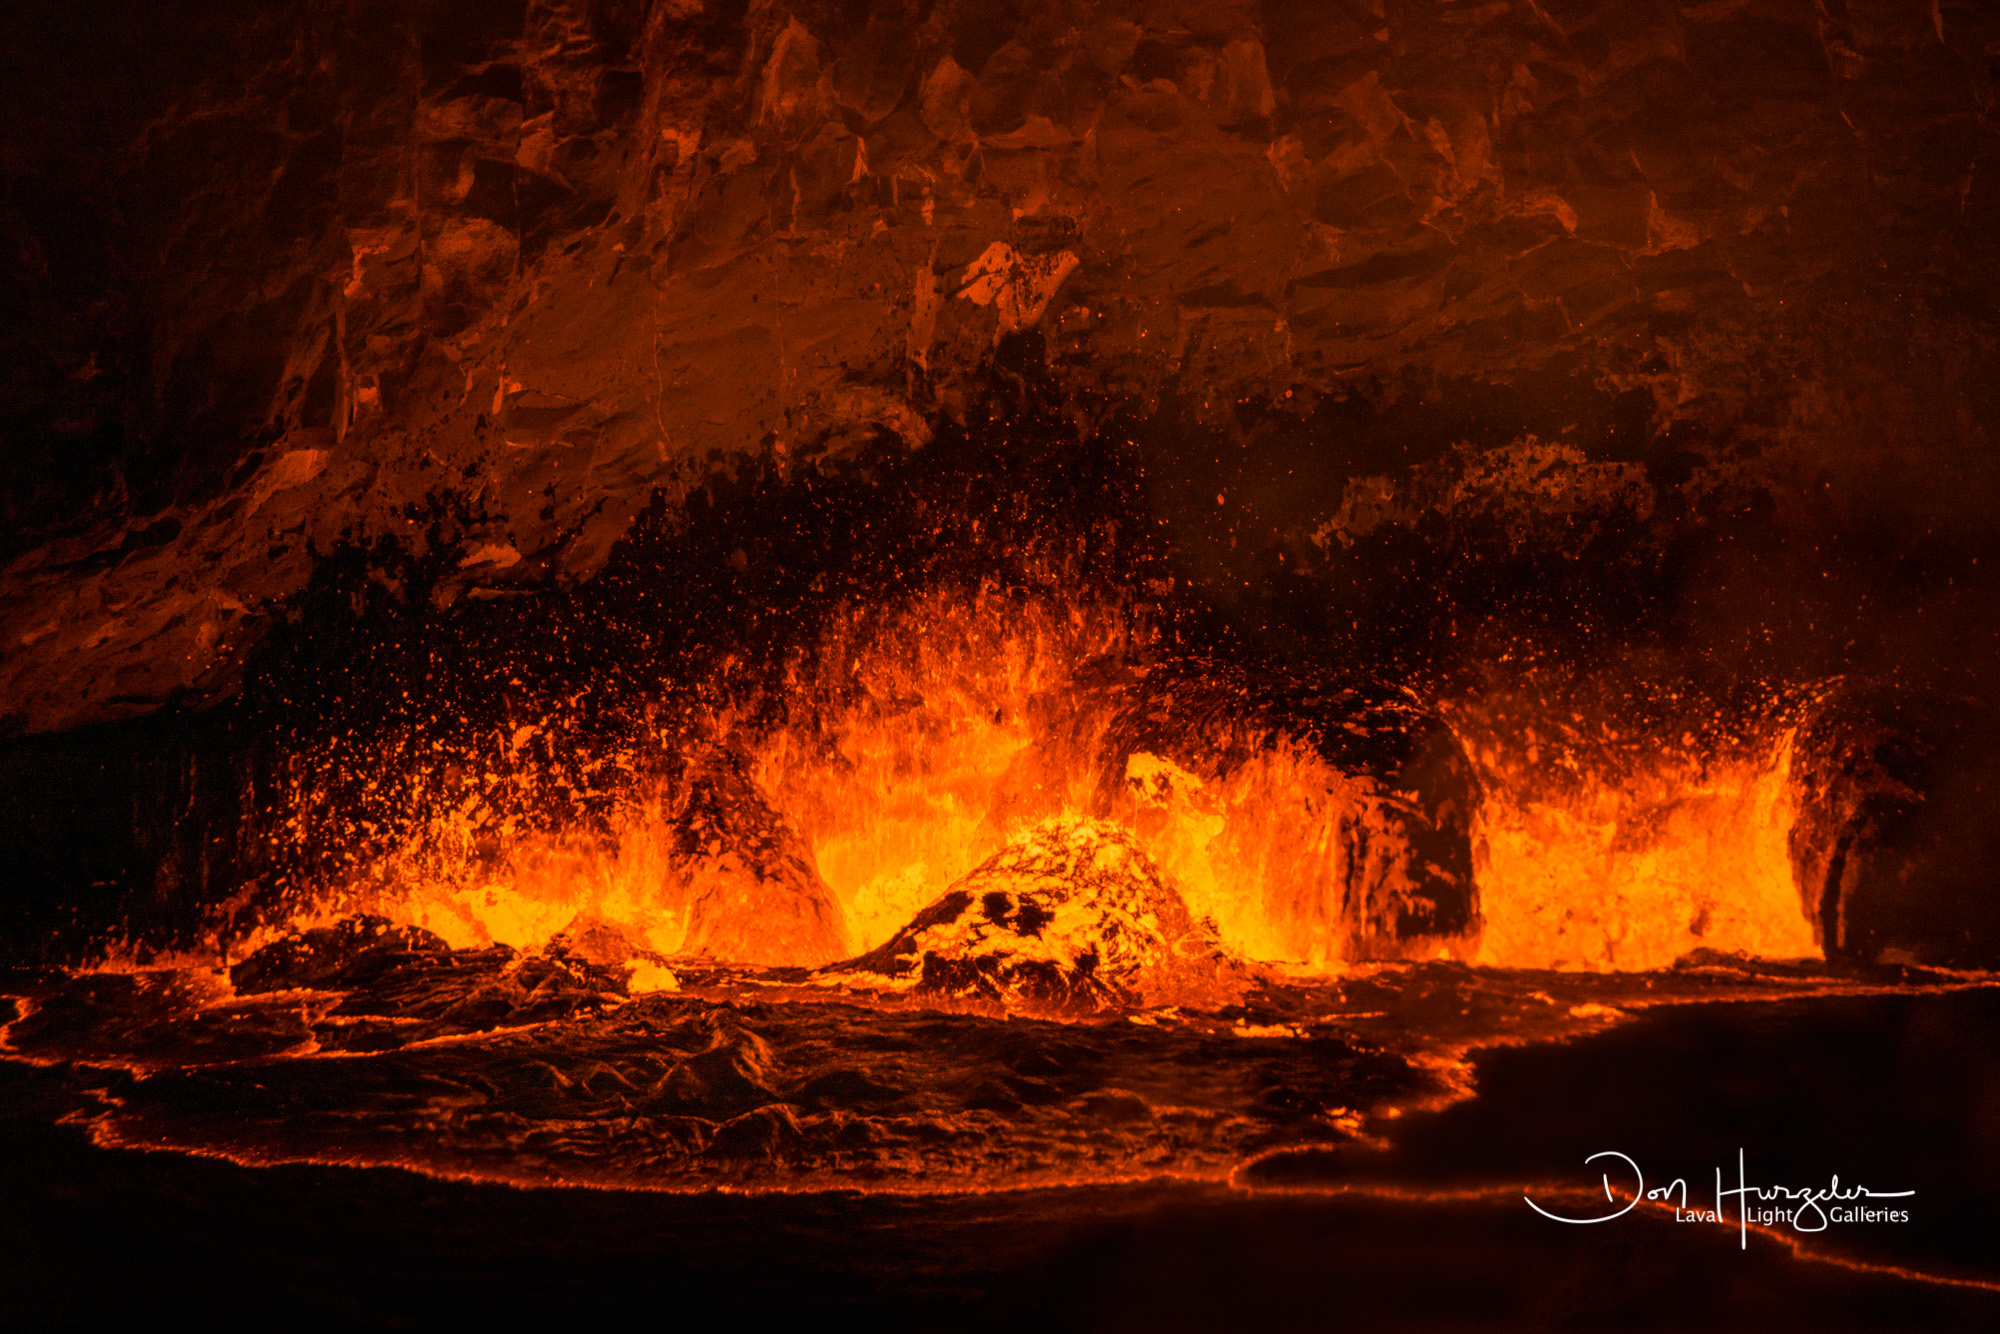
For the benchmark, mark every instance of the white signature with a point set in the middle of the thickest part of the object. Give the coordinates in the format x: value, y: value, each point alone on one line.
x: 1772, y: 1204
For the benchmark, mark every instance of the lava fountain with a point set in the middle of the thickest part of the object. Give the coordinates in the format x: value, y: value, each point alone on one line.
x: 1314, y: 826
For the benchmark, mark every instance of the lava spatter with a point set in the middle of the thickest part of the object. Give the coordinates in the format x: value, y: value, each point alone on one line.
x: 1071, y: 918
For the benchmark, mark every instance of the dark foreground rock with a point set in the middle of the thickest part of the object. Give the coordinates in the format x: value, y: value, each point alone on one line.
x: 354, y: 952
x: 1898, y: 827
x: 404, y: 984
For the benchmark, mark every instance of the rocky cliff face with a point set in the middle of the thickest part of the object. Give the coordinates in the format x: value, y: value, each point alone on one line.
x: 283, y: 275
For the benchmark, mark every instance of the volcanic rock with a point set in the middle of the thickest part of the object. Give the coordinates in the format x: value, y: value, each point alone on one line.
x: 1371, y: 800
x: 1070, y: 918
x: 732, y: 1075
x: 538, y: 269
x: 592, y: 940
x: 1898, y: 826
x: 753, y: 894
x: 559, y: 254
x: 350, y: 953
x: 405, y: 984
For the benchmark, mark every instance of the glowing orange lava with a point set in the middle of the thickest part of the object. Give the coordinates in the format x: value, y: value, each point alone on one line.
x: 1633, y: 870
x: 921, y: 737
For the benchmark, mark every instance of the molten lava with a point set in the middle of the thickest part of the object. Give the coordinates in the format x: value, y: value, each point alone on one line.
x: 1309, y: 828
x: 804, y: 942
x: 1630, y: 871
